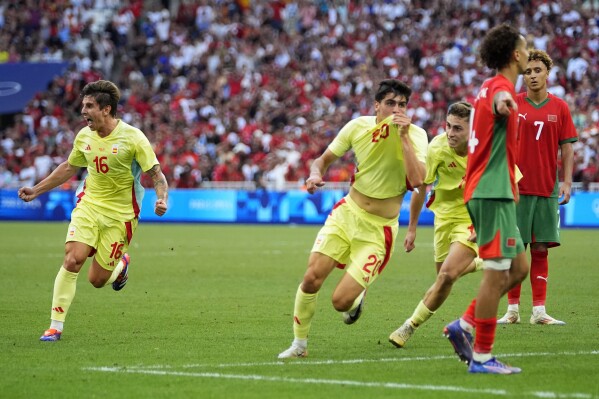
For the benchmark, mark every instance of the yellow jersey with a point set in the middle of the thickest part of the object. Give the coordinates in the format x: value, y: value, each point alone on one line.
x: 446, y: 170
x: 114, y: 165
x: 380, y: 171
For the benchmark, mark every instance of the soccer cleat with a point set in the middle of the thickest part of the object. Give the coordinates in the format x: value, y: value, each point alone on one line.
x: 293, y: 352
x: 354, y: 315
x: 492, y: 366
x: 460, y: 340
x: 544, y: 318
x: 51, y: 334
x: 123, y: 276
x: 510, y: 317
x: 400, y: 336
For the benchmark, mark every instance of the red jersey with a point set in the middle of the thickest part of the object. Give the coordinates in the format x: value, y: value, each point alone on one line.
x: 492, y: 146
x: 542, y: 128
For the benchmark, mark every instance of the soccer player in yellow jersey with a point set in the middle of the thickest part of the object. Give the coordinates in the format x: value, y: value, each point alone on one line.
x: 454, y: 250
x: 360, y: 232
x: 109, y: 199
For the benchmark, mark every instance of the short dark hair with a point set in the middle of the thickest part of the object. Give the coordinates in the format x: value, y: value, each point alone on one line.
x: 461, y: 109
x: 498, y: 45
x: 540, y: 55
x: 392, y: 86
x: 104, y: 92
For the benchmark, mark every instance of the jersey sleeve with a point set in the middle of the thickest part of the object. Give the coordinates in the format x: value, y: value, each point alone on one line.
x: 144, y: 154
x: 568, y: 132
x: 342, y: 142
x: 432, y: 162
x: 419, y: 140
x: 77, y: 157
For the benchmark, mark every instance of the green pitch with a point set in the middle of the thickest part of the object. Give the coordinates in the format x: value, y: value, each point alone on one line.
x: 208, y: 308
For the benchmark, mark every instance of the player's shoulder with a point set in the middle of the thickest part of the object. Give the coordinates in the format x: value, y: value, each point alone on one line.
x: 557, y: 100
x: 364, y: 121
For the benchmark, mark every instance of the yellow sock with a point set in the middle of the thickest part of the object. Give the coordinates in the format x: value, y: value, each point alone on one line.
x: 115, y: 273
x: 305, y: 306
x: 357, y: 301
x: 65, y: 286
x: 420, y: 315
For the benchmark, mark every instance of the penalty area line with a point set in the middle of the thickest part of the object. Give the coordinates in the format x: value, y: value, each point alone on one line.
x: 321, y: 381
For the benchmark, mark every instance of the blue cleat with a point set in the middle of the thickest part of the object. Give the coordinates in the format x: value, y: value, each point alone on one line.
x: 122, y: 278
x: 460, y: 340
x: 492, y: 366
x: 51, y: 335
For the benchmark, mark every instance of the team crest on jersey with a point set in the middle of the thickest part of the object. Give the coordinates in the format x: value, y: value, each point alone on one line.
x: 552, y: 118
x: 511, y: 242
x: 115, y: 149
x: 71, y: 231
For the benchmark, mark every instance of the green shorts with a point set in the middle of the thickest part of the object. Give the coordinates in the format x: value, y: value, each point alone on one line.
x: 362, y: 243
x: 496, y: 229
x: 538, y: 219
x: 448, y: 231
x: 108, y: 237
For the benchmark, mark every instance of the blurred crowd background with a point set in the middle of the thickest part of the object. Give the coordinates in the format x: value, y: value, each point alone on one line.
x: 246, y: 93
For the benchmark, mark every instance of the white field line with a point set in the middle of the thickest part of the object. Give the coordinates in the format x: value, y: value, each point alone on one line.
x: 166, y: 370
x: 306, y: 362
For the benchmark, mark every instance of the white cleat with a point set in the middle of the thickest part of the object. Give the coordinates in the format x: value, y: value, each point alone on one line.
x: 544, y: 318
x: 293, y: 352
x: 400, y: 336
x: 510, y: 317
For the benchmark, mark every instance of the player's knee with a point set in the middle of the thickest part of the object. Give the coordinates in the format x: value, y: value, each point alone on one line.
x: 311, y: 283
x: 342, y: 304
x: 71, y: 263
x: 96, y: 282
x: 446, y: 279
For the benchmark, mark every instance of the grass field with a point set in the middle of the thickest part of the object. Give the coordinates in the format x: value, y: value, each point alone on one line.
x: 208, y: 308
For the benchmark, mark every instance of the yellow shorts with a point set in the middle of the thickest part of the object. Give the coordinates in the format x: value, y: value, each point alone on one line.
x: 108, y: 237
x: 362, y: 243
x: 449, y: 231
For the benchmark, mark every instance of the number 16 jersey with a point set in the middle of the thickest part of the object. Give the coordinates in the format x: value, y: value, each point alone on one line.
x: 114, y: 165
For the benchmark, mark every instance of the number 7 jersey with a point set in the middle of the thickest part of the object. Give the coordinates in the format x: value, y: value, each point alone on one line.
x: 542, y: 129
x: 114, y: 165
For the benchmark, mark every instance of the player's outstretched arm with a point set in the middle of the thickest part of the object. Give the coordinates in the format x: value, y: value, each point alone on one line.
x: 60, y: 175
x: 504, y: 104
x: 161, y: 188
x: 317, y: 170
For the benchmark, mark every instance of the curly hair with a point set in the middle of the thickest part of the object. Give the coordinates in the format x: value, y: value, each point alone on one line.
x: 392, y: 86
x: 498, y: 45
x: 104, y: 92
x: 540, y: 55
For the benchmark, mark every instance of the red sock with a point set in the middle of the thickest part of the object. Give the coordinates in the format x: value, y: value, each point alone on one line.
x: 468, y: 315
x: 538, y: 277
x: 513, y: 295
x: 485, y: 335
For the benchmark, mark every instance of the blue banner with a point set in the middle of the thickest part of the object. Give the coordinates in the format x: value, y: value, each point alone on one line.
x: 261, y: 206
x: 20, y: 82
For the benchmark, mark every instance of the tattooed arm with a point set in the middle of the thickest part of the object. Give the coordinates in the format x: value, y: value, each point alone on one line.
x: 161, y: 187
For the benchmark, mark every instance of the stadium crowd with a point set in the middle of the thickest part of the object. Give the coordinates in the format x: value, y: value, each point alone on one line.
x: 253, y: 90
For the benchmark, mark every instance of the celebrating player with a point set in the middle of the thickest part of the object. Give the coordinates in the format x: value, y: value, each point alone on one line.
x: 455, y: 251
x: 360, y: 232
x: 109, y: 199
x: 544, y: 125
